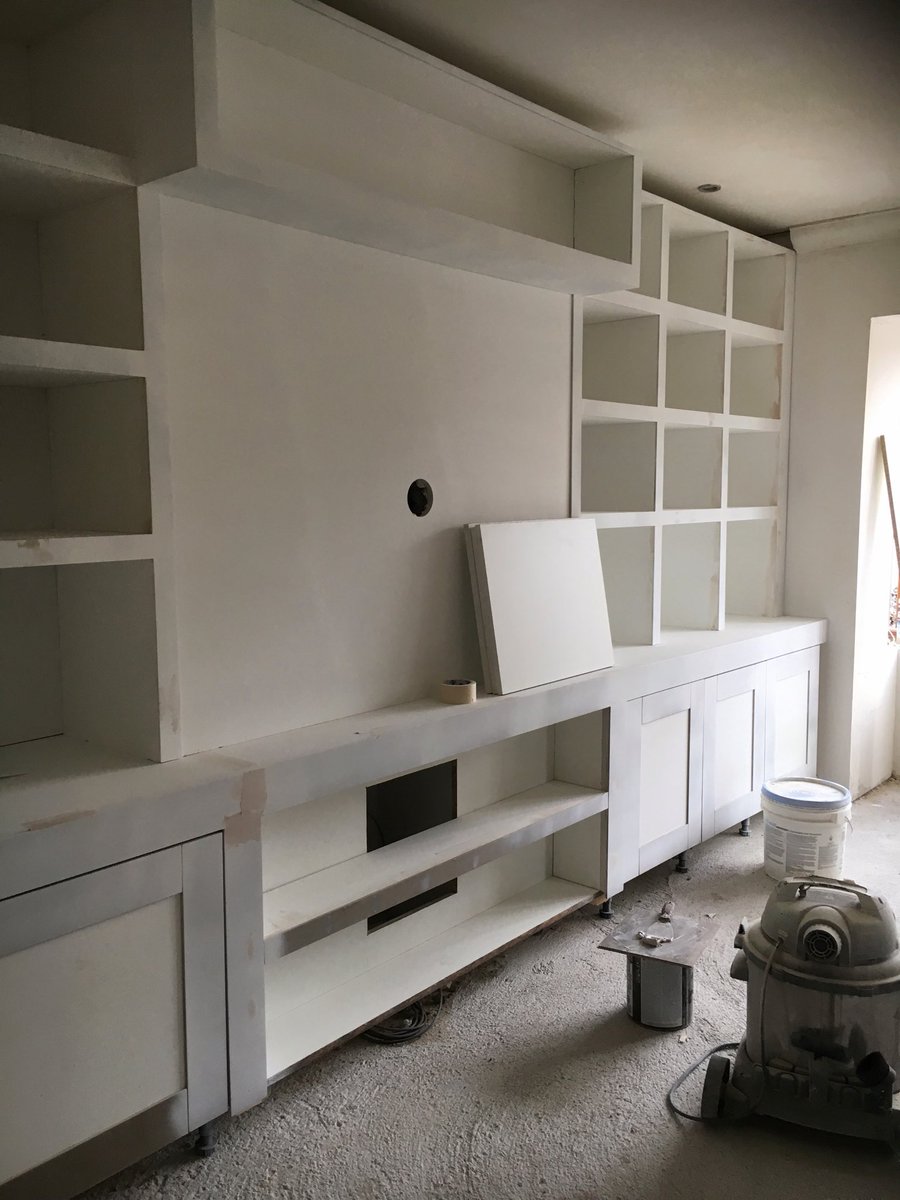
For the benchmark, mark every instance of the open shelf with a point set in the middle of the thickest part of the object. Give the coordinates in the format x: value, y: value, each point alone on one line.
x: 404, y: 153
x: 297, y: 1033
x: 72, y: 459
x: 652, y: 246
x: 41, y: 175
x: 756, y: 381
x: 698, y: 261
x: 621, y: 361
x: 627, y: 557
x: 751, y: 568
x: 695, y: 368
x: 78, y: 647
x: 759, y: 281
x: 692, y: 468
x: 618, y: 466
x: 307, y: 909
x: 690, y: 576
x: 74, y: 276
x: 753, y: 465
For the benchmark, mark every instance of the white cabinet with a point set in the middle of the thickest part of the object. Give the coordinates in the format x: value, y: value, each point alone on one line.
x: 792, y: 712
x: 655, y: 772
x: 112, y: 1018
x: 734, y: 747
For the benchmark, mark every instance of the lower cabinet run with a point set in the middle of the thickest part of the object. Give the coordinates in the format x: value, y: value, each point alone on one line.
x: 112, y: 1007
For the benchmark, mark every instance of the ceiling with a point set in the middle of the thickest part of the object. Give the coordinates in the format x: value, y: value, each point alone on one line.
x: 793, y: 106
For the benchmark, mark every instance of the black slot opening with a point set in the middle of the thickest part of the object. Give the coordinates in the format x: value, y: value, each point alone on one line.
x: 399, y: 808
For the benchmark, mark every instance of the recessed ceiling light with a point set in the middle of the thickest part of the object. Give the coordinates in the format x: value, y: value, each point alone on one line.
x: 709, y: 187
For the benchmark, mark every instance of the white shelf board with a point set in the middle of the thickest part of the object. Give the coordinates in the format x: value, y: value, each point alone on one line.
x: 41, y: 174
x: 336, y: 1015
x: 756, y: 513
x: 317, y: 905
x: 36, y: 362
x: 55, y: 549
x: 305, y: 198
x: 680, y: 318
x: 600, y: 412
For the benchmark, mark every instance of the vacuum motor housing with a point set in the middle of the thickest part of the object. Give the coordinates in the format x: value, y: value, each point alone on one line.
x: 822, y: 1045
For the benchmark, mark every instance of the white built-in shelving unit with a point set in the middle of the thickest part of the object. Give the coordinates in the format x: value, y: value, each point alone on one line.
x: 681, y: 426
x: 77, y: 537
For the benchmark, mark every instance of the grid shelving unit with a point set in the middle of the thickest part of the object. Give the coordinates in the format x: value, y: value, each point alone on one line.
x: 681, y: 426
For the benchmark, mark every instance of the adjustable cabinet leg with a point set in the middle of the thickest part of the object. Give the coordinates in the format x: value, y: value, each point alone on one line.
x: 604, y: 912
x: 205, y: 1143
x: 681, y: 865
x: 744, y: 830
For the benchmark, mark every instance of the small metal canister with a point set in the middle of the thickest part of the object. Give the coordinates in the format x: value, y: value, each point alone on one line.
x: 661, y: 954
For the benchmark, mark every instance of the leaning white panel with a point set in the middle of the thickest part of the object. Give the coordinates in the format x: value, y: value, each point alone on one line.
x: 543, y: 603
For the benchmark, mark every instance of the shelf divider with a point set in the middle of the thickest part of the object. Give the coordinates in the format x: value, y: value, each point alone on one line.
x: 55, y: 549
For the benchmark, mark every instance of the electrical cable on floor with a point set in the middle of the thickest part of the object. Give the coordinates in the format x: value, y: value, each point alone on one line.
x: 685, y: 1075
x: 406, y: 1025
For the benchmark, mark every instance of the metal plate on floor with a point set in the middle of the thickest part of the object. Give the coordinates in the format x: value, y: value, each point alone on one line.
x: 689, y: 938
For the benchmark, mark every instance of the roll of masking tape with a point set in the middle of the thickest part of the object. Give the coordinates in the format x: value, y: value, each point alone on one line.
x: 458, y: 691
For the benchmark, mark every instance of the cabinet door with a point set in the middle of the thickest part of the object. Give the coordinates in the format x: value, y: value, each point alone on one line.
x: 655, y: 780
x: 112, y: 1018
x: 733, y: 747
x: 792, y: 714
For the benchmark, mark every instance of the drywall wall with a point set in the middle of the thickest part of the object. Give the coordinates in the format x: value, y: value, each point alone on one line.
x: 839, y: 291
x: 309, y: 383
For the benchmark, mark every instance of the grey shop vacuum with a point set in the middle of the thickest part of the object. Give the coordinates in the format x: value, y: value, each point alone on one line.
x: 822, y: 1045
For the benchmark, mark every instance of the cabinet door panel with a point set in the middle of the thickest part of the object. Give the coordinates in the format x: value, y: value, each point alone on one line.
x: 734, y: 746
x: 792, y: 707
x: 112, y: 1006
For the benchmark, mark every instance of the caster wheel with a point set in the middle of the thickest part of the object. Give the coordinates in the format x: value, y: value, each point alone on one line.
x: 715, y: 1085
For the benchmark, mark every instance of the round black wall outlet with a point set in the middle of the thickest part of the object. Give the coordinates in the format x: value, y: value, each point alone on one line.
x: 420, y: 497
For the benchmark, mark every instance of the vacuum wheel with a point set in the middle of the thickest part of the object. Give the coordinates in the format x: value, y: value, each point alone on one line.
x: 715, y: 1084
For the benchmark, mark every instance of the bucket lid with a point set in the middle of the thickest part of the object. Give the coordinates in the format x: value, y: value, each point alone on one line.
x: 800, y: 792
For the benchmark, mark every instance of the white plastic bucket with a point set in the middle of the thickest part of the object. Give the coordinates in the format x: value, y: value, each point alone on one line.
x: 805, y: 827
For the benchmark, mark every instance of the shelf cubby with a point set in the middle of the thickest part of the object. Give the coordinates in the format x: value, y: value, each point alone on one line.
x: 751, y: 568
x: 756, y: 383
x: 652, y: 249
x: 698, y: 261
x: 695, y: 368
x: 627, y: 558
x: 78, y: 648
x: 690, y: 575
x: 753, y: 469
x: 618, y: 472
x: 74, y: 276
x: 759, y: 281
x: 621, y: 360
x: 692, y: 468
x: 74, y: 459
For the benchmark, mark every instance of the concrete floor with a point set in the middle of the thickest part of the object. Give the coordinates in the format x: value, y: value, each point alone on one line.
x: 534, y: 1083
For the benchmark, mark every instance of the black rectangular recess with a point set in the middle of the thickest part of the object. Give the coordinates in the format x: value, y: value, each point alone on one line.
x: 401, y: 807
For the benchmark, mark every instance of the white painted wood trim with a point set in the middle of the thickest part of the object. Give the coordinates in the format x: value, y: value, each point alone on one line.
x: 337, y: 1015
x: 660, y: 705
x: 52, y: 912
x: 51, y: 549
x: 725, y: 687
x: 783, y: 667
x: 307, y: 909
x: 205, y: 1030
x: 623, y: 827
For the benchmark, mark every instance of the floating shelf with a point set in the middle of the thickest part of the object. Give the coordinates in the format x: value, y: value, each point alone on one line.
x: 41, y: 175
x: 298, y: 1033
x: 307, y: 909
x: 56, y: 549
x: 36, y: 362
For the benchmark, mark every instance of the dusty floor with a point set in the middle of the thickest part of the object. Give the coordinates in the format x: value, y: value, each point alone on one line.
x: 534, y: 1083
